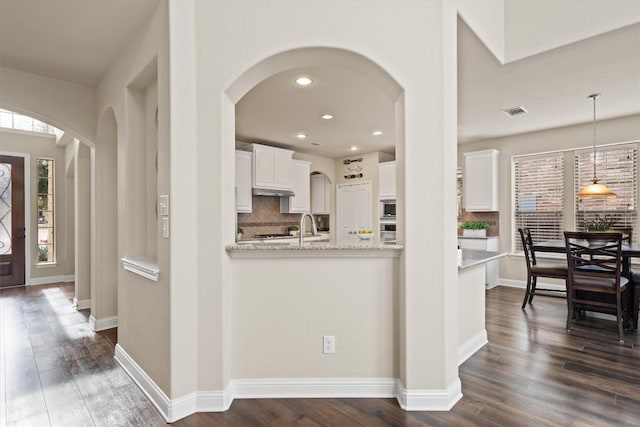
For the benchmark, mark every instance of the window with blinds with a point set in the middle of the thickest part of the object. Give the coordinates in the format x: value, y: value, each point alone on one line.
x: 617, y: 168
x: 538, y: 196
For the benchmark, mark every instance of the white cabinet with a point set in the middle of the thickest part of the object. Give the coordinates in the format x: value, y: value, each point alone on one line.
x: 485, y: 244
x: 272, y: 167
x: 353, y: 208
x: 301, y: 186
x: 480, y: 181
x: 387, y: 180
x: 320, y: 194
x: 243, y: 181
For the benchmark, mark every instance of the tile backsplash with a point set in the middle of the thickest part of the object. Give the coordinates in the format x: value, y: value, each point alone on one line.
x: 266, y: 218
x: 493, y: 218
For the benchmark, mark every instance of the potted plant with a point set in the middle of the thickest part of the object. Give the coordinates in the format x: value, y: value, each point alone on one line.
x: 240, y: 231
x: 598, y: 223
x: 293, y: 230
x: 474, y: 228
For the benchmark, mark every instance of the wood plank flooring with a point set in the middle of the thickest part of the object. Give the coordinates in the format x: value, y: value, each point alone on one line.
x: 56, y: 371
x: 532, y: 373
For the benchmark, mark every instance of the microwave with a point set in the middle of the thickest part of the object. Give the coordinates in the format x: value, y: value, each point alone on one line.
x: 387, y: 209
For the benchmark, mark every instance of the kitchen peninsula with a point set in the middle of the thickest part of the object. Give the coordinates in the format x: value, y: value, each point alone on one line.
x: 286, y: 298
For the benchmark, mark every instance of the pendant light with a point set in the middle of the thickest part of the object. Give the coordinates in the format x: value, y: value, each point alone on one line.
x: 595, y: 189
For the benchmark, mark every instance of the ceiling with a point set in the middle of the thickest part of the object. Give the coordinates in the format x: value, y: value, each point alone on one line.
x: 71, y: 40
x: 75, y: 40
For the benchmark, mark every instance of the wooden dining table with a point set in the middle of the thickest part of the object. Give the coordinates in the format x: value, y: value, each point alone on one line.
x: 629, y: 250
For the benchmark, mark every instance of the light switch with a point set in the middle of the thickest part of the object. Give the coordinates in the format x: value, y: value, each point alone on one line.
x: 163, y: 205
x: 165, y: 228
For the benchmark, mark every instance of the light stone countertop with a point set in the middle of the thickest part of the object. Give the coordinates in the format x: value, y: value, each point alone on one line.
x: 348, y: 246
x: 472, y: 257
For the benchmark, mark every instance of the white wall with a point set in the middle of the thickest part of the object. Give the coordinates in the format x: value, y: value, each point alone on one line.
x: 65, y: 105
x: 283, y: 321
x: 609, y: 131
x: 142, y: 305
x: 417, y: 47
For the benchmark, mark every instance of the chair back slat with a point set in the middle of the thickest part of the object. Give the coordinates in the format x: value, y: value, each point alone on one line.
x: 593, y: 256
x: 527, y: 247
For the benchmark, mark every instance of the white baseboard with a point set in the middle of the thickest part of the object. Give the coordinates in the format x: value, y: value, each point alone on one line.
x: 172, y: 410
x: 81, y: 304
x: 97, y: 325
x: 472, y: 345
x: 51, y: 279
x: 220, y: 400
x: 275, y: 388
x: 144, y: 382
x: 431, y: 400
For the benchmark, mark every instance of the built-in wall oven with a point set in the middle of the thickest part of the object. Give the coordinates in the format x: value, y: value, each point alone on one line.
x: 388, y: 209
x: 388, y: 219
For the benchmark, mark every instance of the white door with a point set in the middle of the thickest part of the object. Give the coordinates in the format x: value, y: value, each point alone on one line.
x: 353, y: 207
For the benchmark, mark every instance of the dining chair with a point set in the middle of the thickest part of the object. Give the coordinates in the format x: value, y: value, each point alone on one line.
x: 627, y: 236
x: 535, y: 270
x: 595, y: 281
x: 627, y: 233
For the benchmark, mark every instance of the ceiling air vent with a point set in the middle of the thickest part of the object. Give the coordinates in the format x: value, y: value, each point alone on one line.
x: 515, y: 111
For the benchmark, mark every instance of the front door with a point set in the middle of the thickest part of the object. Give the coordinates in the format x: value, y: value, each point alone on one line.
x: 12, y: 230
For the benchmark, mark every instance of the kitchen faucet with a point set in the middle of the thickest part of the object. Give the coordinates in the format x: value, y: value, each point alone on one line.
x: 314, y: 230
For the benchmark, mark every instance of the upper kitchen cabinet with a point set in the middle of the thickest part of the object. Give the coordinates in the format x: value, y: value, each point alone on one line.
x: 320, y: 194
x: 301, y: 187
x: 387, y: 181
x: 272, y: 167
x: 480, y: 181
x: 243, y: 181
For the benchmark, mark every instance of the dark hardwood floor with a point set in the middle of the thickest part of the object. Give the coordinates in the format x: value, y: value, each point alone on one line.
x: 532, y: 373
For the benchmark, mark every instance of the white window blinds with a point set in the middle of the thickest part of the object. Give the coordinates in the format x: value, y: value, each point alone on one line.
x: 538, y: 196
x: 617, y: 169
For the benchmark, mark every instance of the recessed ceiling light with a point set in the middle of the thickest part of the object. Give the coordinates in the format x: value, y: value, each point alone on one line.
x: 376, y: 133
x: 301, y: 135
x: 326, y: 116
x: 303, y: 81
x: 353, y: 148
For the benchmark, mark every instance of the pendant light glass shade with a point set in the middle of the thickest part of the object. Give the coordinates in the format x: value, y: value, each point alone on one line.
x: 595, y: 189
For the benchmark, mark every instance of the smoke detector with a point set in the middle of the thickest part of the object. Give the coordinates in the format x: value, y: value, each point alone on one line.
x: 515, y: 111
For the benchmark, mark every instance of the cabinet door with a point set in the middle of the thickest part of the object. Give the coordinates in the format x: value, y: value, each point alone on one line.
x: 243, y: 182
x: 272, y: 167
x: 284, y: 169
x: 320, y: 194
x: 345, y: 216
x: 387, y: 180
x: 301, y: 187
x: 480, y: 181
x: 264, y: 167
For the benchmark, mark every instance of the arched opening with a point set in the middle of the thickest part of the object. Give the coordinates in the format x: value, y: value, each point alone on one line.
x: 347, y: 118
x: 246, y: 339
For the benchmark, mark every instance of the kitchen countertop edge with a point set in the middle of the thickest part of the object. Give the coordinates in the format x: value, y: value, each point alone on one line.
x: 264, y: 250
x: 473, y: 257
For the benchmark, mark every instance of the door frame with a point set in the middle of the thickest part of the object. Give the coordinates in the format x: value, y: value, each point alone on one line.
x: 27, y: 212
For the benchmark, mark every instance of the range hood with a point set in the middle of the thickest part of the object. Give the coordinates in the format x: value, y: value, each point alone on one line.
x: 278, y: 192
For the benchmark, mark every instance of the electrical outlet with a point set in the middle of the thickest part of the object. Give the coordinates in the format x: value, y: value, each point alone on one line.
x: 328, y: 344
